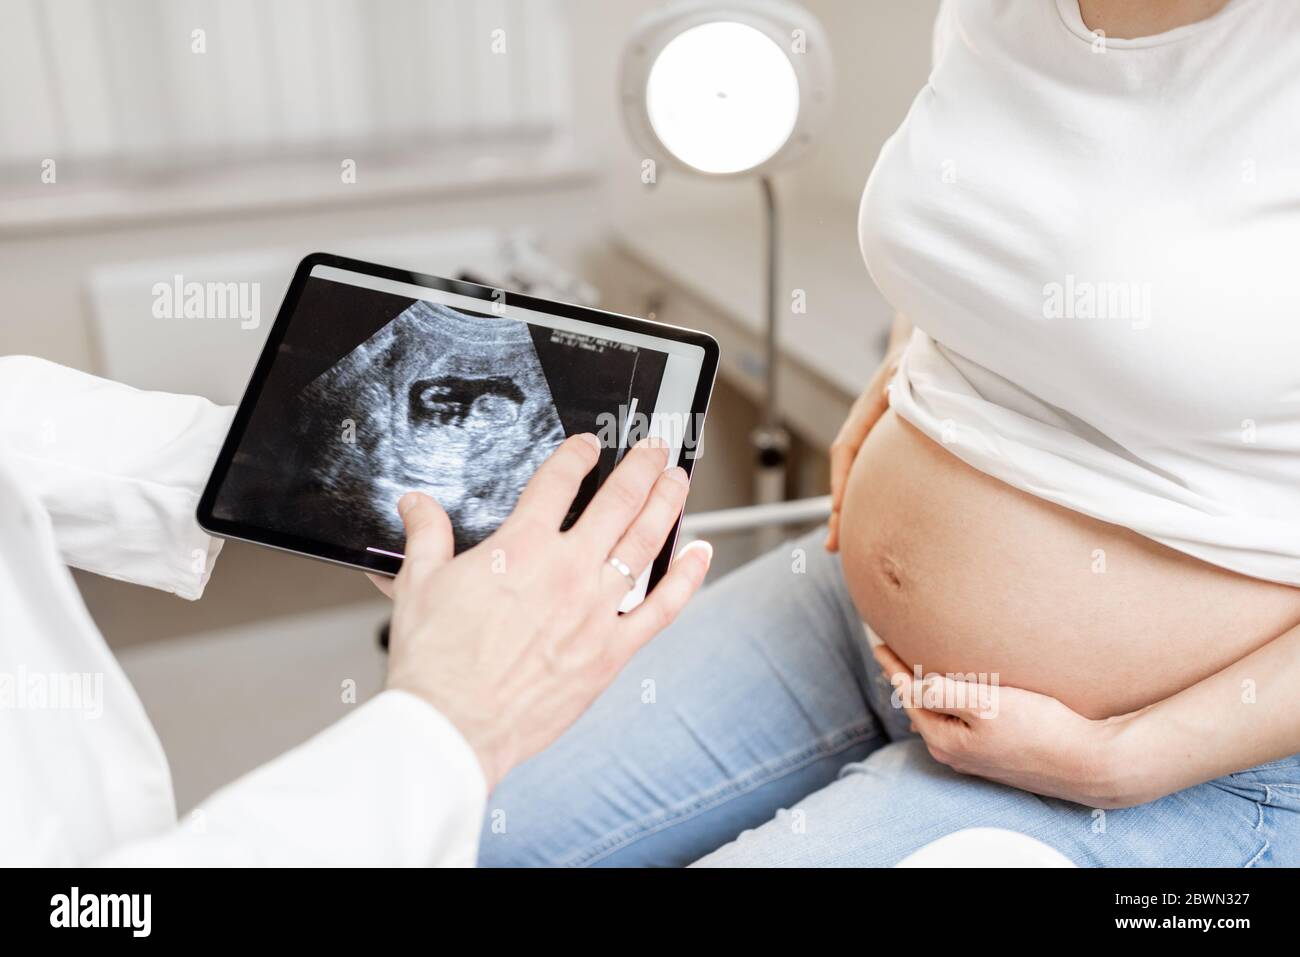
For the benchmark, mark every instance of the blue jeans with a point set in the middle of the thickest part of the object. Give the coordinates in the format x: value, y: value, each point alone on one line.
x: 757, y: 730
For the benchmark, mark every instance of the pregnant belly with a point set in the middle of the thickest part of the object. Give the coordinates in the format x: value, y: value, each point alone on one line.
x: 958, y: 572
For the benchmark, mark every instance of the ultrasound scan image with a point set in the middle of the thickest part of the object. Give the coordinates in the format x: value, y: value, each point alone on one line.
x: 452, y: 405
x: 373, y: 395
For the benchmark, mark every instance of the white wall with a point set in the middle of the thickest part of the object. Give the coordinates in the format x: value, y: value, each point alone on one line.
x: 882, y: 58
x: 42, y: 276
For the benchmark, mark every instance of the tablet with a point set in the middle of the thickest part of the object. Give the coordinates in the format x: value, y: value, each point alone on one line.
x: 377, y: 381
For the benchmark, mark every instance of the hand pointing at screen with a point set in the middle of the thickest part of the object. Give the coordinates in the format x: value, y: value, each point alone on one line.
x: 494, y: 652
x: 514, y: 638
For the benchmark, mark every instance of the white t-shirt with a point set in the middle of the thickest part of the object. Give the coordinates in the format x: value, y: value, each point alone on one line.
x: 1098, y: 241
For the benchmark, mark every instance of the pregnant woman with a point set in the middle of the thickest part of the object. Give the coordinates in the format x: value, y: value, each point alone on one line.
x: 1069, y: 500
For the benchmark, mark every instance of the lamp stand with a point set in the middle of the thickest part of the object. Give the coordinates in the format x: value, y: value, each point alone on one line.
x: 770, y: 440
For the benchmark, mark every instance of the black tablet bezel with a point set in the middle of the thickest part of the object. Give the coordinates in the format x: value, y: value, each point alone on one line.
x: 384, y: 564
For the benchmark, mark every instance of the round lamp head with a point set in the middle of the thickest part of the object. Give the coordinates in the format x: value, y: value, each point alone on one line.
x: 726, y: 88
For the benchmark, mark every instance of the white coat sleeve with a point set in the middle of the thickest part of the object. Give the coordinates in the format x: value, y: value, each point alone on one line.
x: 393, y: 784
x: 118, y: 470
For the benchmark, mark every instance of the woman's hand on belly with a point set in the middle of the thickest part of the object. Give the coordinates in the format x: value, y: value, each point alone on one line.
x: 1019, y: 738
x: 865, y: 413
x: 1242, y: 716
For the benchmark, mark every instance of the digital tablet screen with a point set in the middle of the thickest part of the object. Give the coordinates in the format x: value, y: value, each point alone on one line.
x: 373, y: 386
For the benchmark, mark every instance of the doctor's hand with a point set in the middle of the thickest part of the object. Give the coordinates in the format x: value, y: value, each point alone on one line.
x: 513, y: 639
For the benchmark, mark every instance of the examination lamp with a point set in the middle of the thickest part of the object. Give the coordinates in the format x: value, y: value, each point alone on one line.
x: 730, y: 89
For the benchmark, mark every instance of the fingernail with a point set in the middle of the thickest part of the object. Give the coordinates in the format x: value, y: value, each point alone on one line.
x: 406, y: 503
x: 590, y: 440
x: 678, y: 475
x: 651, y: 442
x: 703, y: 546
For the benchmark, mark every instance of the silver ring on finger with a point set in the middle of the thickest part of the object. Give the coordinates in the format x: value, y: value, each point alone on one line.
x: 621, y: 567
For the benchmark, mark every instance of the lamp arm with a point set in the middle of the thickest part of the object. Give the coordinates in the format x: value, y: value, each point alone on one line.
x: 771, y: 408
x: 770, y: 440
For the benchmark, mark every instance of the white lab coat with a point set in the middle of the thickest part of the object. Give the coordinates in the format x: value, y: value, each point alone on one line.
x: 106, y: 478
